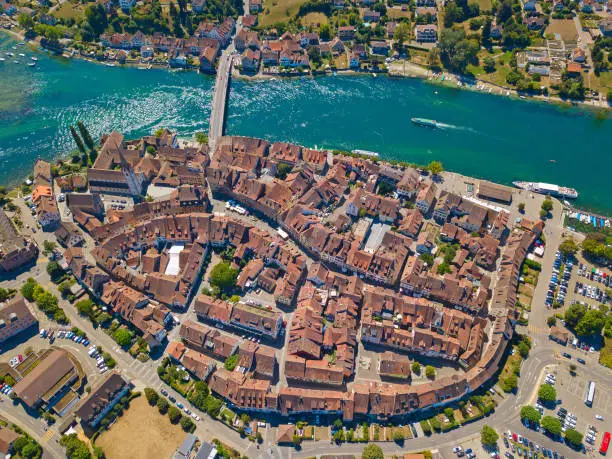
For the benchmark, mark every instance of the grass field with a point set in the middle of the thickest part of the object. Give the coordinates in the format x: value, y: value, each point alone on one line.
x: 141, y: 433
x: 314, y: 19
x: 395, y: 13
x: 67, y: 10
x: 485, y: 5
x: 278, y: 11
x: 565, y: 27
x: 605, y: 358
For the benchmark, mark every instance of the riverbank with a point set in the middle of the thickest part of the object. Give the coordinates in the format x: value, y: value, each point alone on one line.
x: 395, y: 69
x: 497, y: 138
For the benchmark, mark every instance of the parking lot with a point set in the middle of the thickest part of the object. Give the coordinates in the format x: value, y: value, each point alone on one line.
x: 576, y: 281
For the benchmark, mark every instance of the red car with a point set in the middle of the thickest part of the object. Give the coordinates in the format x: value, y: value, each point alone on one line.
x: 514, y: 437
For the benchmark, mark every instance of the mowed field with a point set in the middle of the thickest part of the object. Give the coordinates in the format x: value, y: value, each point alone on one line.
x: 565, y: 27
x: 141, y: 433
x: 278, y: 11
x: 314, y: 19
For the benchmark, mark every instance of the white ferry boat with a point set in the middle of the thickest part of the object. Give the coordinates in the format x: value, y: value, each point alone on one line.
x: 548, y: 188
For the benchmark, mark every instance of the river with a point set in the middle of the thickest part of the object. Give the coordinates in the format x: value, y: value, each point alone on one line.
x: 486, y: 136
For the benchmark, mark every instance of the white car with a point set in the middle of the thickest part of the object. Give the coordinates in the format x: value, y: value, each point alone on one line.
x: 195, y: 416
x: 599, y: 417
x: 456, y: 449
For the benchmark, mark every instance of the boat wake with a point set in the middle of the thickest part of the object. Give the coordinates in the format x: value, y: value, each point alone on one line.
x: 457, y: 128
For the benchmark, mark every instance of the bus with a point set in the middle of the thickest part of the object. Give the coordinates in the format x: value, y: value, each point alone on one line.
x: 605, y: 442
x: 590, y: 395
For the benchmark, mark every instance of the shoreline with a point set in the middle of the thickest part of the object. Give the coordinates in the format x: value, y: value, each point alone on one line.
x: 418, y: 72
x: 256, y: 78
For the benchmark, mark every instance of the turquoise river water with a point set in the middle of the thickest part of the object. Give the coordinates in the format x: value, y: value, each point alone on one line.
x: 484, y: 136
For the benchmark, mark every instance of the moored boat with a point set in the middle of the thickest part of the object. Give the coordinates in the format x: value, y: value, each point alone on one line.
x: 548, y: 188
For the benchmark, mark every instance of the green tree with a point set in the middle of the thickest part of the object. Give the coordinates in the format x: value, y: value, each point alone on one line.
x: 85, y: 307
x: 523, y: 349
x: 282, y: 170
x: 510, y: 383
x: 85, y: 135
x: 27, y: 289
x: 456, y: 51
x: 488, y: 436
x: 122, y: 336
x: 592, y: 323
x: 547, y: 204
x: 435, y: 167
x: 174, y: 414
x: 325, y: 32
x: 372, y: 451
x: 551, y: 424
x: 30, y: 450
x: 54, y: 270
x: 49, y: 247
x: 201, y: 138
x: 530, y: 414
x: 416, y: 368
x: 47, y: 302
x: 402, y: 34
x: 551, y: 321
x: 25, y: 21
x: 489, y: 64
x: 162, y: 405
x: 430, y: 372
x: 568, y: 247
x: 187, y: 424
x: 151, y: 395
x: 224, y: 276
x: 79, y: 143
x: 574, y: 314
x: 231, y: 362
x: 75, y: 448
x: 573, y: 436
x: 521, y: 207
x: 547, y: 393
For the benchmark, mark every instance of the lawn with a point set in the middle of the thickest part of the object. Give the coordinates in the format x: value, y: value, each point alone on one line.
x: 498, y: 77
x: 605, y: 357
x: 278, y: 11
x: 314, y: 19
x: 485, y: 5
x: 395, y: 13
x: 605, y: 81
x: 68, y: 10
x: 565, y: 27
x: 141, y: 433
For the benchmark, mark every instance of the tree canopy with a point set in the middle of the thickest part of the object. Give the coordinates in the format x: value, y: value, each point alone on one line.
x: 547, y: 393
x: 568, y: 247
x: 372, y: 451
x: 573, y: 436
x: 488, y: 436
x: 223, y: 276
x: 435, y: 167
x: 551, y: 424
x: 530, y: 414
x: 122, y: 336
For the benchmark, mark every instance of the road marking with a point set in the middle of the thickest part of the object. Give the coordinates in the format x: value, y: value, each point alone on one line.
x: 47, y: 436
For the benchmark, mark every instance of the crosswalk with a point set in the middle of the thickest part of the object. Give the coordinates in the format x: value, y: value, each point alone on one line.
x: 47, y: 436
x: 146, y: 372
x: 536, y: 330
